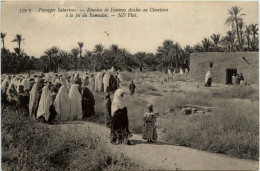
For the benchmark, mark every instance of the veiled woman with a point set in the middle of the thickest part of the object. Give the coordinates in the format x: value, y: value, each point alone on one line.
x: 62, y: 105
x: 88, y: 103
x: 106, y: 82
x: 33, y: 100
x: 99, y: 87
x: 75, y: 102
x: 43, y: 112
x: 92, y: 83
x: 119, y: 126
x: 12, y: 95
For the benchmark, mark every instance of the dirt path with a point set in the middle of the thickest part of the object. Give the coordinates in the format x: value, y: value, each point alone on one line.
x: 164, y: 156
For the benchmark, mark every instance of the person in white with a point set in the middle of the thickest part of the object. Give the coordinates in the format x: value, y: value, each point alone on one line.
x: 45, y: 104
x: 75, y: 102
x: 62, y: 105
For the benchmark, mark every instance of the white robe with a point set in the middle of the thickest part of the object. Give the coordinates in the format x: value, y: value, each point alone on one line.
x: 75, y: 102
x: 45, y: 104
x: 62, y: 105
x: 106, y: 82
x: 208, y: 75
x: 99, y: 82
x: 181, y: 71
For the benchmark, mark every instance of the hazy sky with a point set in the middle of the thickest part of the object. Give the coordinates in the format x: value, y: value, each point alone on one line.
x: 185, y: 22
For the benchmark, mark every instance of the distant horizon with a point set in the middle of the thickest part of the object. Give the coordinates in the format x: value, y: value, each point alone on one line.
x: 185, y: 22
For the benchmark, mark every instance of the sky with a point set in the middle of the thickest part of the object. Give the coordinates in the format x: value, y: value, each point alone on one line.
x: 185, y: 22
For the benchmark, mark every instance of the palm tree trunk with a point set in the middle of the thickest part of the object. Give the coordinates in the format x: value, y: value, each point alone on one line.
x: 238, y: 36
x: 3, y: 43
x: 248, y: 43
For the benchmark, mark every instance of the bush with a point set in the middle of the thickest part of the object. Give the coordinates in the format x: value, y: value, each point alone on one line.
x: 27, y: 145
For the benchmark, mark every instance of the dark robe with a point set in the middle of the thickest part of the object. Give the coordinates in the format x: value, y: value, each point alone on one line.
x: 208, y: 83
x: 132, y: 88
x: 113, y: 83
x: 108, y: 112
x: 88, y: 103
x: 52, y: 110
x: 119, y: 127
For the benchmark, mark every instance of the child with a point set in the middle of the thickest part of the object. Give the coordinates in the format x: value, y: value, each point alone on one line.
x: 149, y: 132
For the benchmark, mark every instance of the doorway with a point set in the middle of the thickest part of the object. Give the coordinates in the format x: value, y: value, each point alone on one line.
x: 229, y: 73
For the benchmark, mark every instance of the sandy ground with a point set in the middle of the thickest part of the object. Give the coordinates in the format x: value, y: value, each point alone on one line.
x: 164, y: 156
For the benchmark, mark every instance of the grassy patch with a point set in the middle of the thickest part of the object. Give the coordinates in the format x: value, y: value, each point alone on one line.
x: 232, y: 130
x: 243, y: 92
x: 27, y: 145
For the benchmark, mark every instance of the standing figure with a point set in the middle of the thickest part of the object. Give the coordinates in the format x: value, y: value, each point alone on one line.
x: 76, y: 102
x: 237, y: 79
x: 12, y: 95
x: 149, y: 132
x: 108, y: 110
x: 119, y: 127
x: 132, y: 87
x: 92, y: 83
x: 62, y: 105
x: 34, y: 99
x: 233, y: 79
x: 106, y: 82
x: 43, y: 112
x: 88, y: 103
x: 241, y: 79
x: 208, y: 79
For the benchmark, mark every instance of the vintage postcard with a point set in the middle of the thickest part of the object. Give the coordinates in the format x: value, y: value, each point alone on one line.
x: 129, y: 85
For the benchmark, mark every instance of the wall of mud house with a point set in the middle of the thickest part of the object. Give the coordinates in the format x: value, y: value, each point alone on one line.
x: 245, y: 62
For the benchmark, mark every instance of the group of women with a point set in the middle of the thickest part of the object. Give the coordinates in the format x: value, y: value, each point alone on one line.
x: 62, y: 98
x: 49, y: 99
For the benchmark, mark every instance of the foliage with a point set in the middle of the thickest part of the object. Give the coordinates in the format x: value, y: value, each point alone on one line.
x: 27, y: 145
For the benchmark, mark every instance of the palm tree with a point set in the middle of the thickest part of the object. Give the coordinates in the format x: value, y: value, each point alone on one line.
x: 140, y: 57
x: 18, y: 38
x: 234, y: 19
x: 188, y: 49
x: 164, y: 51
x: 55, y: 51
x: 254, y: 33
x: 81, y: 44
x: 206, y: 44
x: 216, y: 41
x: 248, y: 32
x: 75, y: 53
x: 48, y: 55
x: 114, y: 50
x: 176, y: 52
x: 98, y: 50
x: 229, y: 40
x: 3, y: 39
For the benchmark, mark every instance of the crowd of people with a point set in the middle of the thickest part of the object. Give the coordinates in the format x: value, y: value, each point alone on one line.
x: 53, y: 99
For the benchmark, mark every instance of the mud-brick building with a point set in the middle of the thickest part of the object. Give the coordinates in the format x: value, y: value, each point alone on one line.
x: 224, y: 65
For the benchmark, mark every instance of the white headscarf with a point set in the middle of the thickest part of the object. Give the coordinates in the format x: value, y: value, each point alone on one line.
x: 106, y: 81
x: 25, y: 84
x: 75, y: 102
x: 62, y: 104
x: 5, y: 83
x: 34, y: 94
x: 118, y: 101
x: 45, y: 103
x: 208, y: 75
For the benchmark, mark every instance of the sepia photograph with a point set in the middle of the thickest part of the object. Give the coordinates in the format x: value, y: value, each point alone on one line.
x: 129, y: 85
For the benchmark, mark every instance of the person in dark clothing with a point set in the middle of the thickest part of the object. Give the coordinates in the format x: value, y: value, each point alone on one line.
x: 88, y: 103
x: 132, y: 88
x: 113, y: 83
x: 120, y: 125
x: 108, y: 104
x: 54, y: 92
